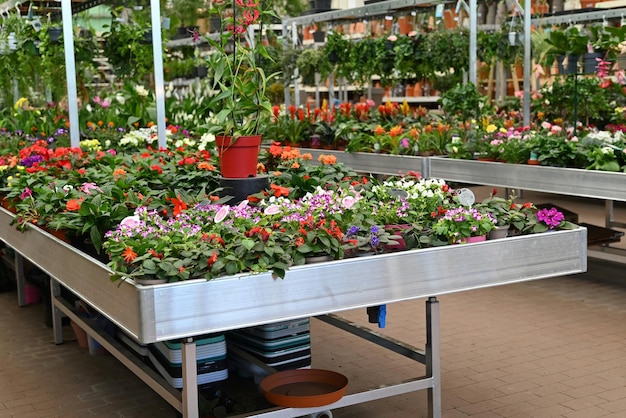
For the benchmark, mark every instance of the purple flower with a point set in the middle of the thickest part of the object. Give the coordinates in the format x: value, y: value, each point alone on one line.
x: 352, y: 231
x: 32, y: 160
x: 404, y: 143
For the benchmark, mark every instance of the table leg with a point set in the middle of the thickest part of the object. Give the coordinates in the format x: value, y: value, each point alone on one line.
x: 57, y: 315
x: 190, y: 379
x: 433, y: 361
x: 20, y: 279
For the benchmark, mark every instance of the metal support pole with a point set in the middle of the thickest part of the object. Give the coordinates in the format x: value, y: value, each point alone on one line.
x: 70, y: 71
x: 433, y: 361
x: 159, y: 83
x: 190, y: 379
x: 472, y: 51
x: 527, y: 63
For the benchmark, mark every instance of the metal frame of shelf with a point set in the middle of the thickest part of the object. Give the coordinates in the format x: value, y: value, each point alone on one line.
x: 180, y: 310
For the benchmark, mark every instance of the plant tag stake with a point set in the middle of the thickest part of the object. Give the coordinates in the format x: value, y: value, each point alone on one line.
x: 466, y: 197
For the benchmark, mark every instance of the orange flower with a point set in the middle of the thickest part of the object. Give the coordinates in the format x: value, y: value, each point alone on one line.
x: 327, y: 159
x: 129, y: 255
x: 275, y: 149
x: 119, y: 172
x: 379, y: 130
x: 73, y: 205
x: 295, y: 165
x: 179, y: 205
x: 395, y: 131
x: 279, y: 190
x: 203, y: 165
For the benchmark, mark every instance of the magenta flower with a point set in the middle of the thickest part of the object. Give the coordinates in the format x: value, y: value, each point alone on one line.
x: 26, y: 193
x: 551, y: 217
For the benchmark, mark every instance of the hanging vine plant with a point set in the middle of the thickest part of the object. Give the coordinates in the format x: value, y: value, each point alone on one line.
x: 337, y: 51
x: 128, y: 45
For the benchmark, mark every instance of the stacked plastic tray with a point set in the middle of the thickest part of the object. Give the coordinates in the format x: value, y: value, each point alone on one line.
x: 167, y: 358
x: 280, y: 346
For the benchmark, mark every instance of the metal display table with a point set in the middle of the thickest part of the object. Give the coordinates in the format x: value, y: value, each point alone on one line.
x: 192, y: 308
x: 594, y: 184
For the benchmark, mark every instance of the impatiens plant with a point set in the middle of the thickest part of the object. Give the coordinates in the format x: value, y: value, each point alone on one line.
x: 459, y: 223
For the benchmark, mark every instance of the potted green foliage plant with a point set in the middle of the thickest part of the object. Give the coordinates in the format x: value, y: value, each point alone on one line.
x: 241, y: 100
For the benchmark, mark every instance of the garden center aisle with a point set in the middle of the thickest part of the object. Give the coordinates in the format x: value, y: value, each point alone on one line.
x: 546, y: 348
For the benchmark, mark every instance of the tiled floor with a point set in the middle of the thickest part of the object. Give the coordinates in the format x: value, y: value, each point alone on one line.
x: 547, y: 348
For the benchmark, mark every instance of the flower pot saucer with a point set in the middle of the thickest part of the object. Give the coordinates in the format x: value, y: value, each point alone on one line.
x: 304, y: 388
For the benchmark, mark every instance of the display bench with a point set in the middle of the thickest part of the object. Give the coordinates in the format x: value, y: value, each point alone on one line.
x: 605, y: 185
x: 183, y: 310
x: 565, y: 181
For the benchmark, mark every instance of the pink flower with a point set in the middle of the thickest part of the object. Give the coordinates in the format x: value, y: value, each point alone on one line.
x: 87, y: 187
x: 348, y: 202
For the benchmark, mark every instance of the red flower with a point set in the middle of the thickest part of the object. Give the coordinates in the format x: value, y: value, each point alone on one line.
x: 211, y: 260
x: 157, y: 168
x: 155, y: 254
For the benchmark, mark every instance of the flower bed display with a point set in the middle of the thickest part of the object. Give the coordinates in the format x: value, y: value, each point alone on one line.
x: 160, y: 214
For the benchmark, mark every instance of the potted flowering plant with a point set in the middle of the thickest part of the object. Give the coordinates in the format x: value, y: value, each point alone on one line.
x: 241, y: 101
x: 507, y: 213
x: 460, y: 224
x: 205, y: 241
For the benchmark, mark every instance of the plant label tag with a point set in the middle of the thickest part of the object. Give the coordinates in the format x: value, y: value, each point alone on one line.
x: 466, y: 197
x: 399, y: 193
x: 439, y: 11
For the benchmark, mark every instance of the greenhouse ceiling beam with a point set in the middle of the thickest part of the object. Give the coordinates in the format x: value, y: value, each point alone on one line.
x: 82, y: 6
x: 574, y: 18
x: 357, y: 12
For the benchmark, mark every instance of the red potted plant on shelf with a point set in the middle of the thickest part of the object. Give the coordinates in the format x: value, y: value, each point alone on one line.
x: 241, y: 102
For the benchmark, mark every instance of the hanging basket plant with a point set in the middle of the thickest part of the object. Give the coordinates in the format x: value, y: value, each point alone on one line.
x: 127, y: 45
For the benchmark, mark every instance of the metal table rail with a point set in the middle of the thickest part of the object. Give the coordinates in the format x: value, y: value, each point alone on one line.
x: 180, y: 311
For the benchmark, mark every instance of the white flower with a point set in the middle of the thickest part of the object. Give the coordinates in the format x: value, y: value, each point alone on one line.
x: 141, y: 90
